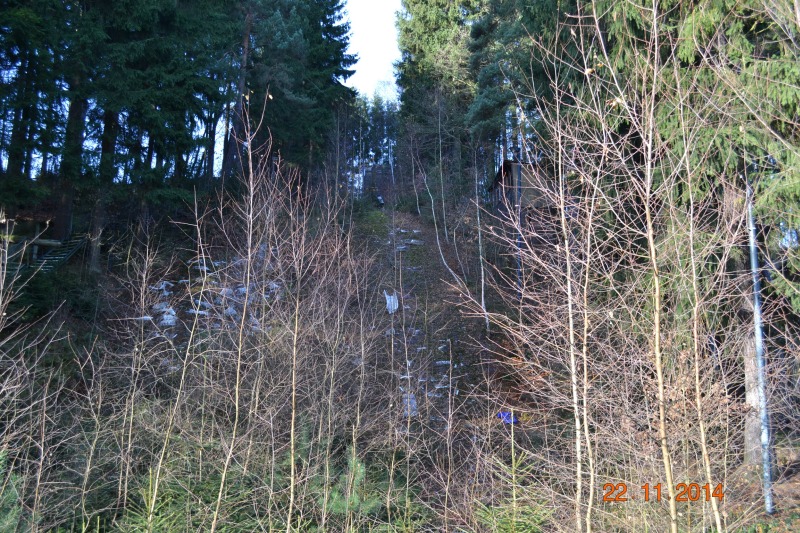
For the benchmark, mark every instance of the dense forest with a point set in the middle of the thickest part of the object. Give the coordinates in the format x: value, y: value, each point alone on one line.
x: 554, y: 287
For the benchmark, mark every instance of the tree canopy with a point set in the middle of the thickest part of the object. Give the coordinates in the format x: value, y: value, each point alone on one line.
x: 135, y: 95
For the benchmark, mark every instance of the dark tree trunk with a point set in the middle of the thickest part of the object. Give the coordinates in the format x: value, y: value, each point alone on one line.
x: 179, y: 175
x: 47, y: 135
x: 148, y: 159
x: 147, y: 184
x: 28, y: 160
x: 16, y: 153
x: 211, y: 133
x: 108, y: 145
x: 45, y: 163
x: 71, y: 165
x: 231, y: 157
x: 20, y: 130
x: 136, y: 156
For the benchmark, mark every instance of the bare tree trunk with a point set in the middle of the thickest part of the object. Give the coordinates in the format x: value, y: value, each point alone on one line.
x: 441, y: 163
x: 566, y: 238
x: 481, y: 255
x: 752, y: 422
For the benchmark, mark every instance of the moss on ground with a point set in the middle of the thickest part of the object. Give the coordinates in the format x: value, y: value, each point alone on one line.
x: 371, y: 223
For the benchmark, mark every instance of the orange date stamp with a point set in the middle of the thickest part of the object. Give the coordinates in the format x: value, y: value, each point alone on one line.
x: 684, y: 492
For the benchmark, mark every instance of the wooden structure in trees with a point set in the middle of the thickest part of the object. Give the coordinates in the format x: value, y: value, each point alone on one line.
x: 523, y: 185
x: 528, y: 193
x: 15, y: 263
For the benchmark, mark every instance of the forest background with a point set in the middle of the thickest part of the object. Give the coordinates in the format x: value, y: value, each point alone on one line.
x: 206, y: 346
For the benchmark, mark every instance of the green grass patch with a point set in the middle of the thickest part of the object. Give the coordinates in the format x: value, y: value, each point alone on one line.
x: 785, y: 524
x: 371, y: 223
x: 417, y: 255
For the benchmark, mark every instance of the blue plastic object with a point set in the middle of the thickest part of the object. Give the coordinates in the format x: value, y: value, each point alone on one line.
x: 507, y: 417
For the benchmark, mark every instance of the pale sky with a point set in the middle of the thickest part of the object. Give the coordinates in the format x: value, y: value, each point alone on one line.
x: 373, y: 36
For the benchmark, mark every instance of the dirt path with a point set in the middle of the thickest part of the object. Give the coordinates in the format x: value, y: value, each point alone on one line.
x: 434, y: 348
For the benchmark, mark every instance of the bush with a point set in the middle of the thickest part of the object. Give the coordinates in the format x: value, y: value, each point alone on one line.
x: 11, y: 518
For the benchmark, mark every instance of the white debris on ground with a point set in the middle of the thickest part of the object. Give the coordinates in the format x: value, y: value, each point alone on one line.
x: 391, y: 301
x: 169, y: 317
x: 212, y: 297
x: 410, y: 405
x: 163, y: 287
x: 426, y: 385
